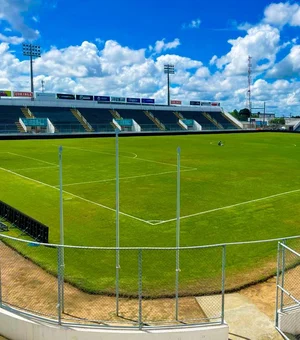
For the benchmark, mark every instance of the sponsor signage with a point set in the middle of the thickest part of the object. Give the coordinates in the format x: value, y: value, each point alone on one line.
x: 133, y: 100
x: 176, y: 102
x: 5, y: 93
x: 192, y: 102
x: 215, y: 104
x: 65, y: 96
x: 23, y: 94
x: 102, y: 98
x: 84, y: 97
x: 118, y: 99
x: 45, y: 96
x: 148, y: 101
x: 35, y: 122
x: 205, y: 103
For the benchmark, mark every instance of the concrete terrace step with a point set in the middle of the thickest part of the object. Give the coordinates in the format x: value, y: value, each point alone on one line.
x: 244, y: 319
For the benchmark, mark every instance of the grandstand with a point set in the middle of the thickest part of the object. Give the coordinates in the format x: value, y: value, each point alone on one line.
x: 77, y: 116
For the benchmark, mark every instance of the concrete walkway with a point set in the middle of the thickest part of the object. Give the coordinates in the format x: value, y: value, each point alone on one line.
x: 245, y: 320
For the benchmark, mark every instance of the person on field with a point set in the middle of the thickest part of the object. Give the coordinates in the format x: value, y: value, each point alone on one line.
x: 220, y: 143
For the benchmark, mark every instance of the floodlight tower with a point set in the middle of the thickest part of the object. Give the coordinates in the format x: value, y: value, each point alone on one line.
x: 169, y: 69
x: 31, y: 51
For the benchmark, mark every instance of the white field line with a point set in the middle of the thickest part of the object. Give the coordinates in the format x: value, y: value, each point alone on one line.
x: 69, y: 193
x: 229, y: 206
x: 36, y: 168
x: 100, y: 152
x: 35, y: 159
x: 135, y: 157
x: 129, y: 177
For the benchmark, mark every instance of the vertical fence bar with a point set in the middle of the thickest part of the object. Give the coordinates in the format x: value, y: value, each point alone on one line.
x: 177, y: 237
x: 223, y: 281
x: 61, y: 230
x: 117, y: 223
x: 59, y: 286
x: 140, y: 279
x: 277, y: 283
x: 0, y: 284
x: 282, y: 274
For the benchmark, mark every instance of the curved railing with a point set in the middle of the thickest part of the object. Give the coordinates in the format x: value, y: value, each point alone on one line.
x: 49, y: 281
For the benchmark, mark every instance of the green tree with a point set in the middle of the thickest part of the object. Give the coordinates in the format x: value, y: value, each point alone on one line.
x: 244, y: 114
x: 277, y: 121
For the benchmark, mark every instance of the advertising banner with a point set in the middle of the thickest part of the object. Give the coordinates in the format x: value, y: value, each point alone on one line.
x: 215, y: 104
x: 5, y: 93
x: 148, y: 101
x: 102, y: 98
x: 45, y: 96
x: 192, y: 102
x: 23, y: 94
x: 118, y: 99
x: 133, y: 100
x: 176, y: 102
x: 84, y: 97
x: 65, y: 96
x: 205, y: 103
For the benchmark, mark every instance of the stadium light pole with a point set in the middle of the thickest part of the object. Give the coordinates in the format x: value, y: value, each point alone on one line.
x: 33, y: 51
x: 169, y: 69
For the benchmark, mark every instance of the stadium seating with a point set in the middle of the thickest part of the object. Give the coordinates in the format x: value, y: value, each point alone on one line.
x: 218, y: 116
x: 140, y: 117
x: 61, y: 117
x: 199, y: 117
x: 99, y: 119
x: 9, y: 115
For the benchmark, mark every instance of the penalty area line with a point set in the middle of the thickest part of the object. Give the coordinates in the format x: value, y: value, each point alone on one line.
x: 34, y: 159
x: 79, y: 197
x: 135, y: 156
x: 229, y: 206
x: 129, y: 177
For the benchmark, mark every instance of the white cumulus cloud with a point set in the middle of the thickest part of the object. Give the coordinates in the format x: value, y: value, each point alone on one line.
x: 162, y: 46
x: 281, y: 14
x: 192, y: 24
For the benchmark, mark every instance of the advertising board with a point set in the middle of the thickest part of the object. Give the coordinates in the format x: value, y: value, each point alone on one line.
x: 22, y: 94
x: 148, y: 101
x: 176, y: 102
x: 133, y: 100
x: 84, y: 97
x: 102, y: 98
x: 5, y: 93
x: 65, y: 96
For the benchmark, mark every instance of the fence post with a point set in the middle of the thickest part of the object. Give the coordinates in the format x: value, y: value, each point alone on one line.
x: 140, y: 279
x: 277, y: 283
x: 59, y: 285
x: 0, y: 285
x: 283, y: 273
x: 223, y: 281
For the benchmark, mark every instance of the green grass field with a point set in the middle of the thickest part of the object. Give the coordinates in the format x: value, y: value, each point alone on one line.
x: 221, y: 201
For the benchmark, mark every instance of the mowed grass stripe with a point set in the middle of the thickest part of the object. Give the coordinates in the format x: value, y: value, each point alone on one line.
x: 71, y: 194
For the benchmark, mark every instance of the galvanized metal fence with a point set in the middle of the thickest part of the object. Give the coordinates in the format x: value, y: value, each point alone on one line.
x: 288, y: 292
x: 48, y: 281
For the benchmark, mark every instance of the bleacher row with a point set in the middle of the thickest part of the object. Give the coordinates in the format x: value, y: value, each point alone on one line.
x: 65, y: 121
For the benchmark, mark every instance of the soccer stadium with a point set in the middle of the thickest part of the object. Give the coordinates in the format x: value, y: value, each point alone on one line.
x: 119, y: 213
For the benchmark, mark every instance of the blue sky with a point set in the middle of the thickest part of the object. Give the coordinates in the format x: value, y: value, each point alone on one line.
x: 119, y: 48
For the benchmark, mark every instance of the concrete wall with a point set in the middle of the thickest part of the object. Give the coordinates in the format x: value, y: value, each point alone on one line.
x: 289, y: 321
x: 16, y: 327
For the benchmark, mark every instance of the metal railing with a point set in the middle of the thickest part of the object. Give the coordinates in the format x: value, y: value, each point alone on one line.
x: 75, y: 285
x: 288, y: 292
